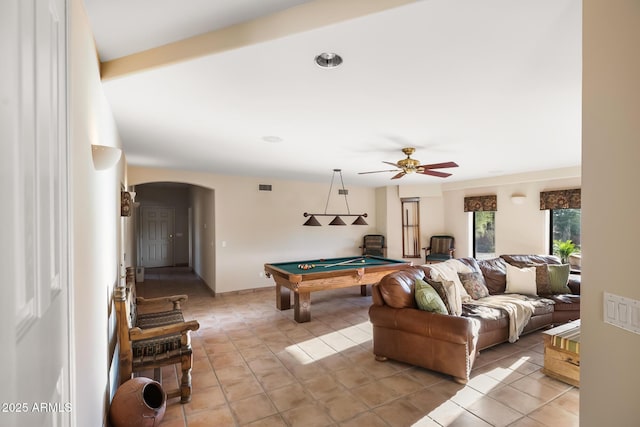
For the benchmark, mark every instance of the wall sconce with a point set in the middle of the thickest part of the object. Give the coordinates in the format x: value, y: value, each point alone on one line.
x: 104, y: 157
x: 518, y: 199
x: 312, y: 221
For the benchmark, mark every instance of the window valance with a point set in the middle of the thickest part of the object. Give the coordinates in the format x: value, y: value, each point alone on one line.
x: 480, y: 203
x: 560, y: 199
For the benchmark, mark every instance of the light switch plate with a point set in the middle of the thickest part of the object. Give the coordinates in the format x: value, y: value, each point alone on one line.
x: 622, y: 312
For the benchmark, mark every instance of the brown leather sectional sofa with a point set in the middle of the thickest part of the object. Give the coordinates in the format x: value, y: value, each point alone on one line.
x: 448, y: 343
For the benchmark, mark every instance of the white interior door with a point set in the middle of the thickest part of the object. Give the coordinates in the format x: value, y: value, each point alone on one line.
x: 35, y: 362
x: 156, y: 236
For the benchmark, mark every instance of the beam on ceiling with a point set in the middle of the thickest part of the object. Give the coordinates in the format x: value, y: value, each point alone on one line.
x: 304, y: 17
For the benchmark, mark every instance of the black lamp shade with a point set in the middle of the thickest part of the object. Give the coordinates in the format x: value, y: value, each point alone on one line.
x: 337, y: 221
x: 312, y: 221
x: 359, y: 221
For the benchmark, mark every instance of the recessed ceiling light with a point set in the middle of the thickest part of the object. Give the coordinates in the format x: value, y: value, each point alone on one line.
x: 328, y: 60
x: 272, y: 138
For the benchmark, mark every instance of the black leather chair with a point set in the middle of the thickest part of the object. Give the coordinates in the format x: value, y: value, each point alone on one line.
x: 373, y: 244
x: 440, y: 249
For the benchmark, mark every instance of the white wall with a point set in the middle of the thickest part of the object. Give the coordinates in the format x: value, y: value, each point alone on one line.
x: 609, y: 374
x: 95, y: 227
x: 204, y: 249
x: 256, y: 227
x: 520, y: 229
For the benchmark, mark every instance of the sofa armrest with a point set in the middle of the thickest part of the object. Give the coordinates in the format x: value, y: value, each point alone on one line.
x: 455, y: 329
x: 376, y: 296
x: 574, y: 283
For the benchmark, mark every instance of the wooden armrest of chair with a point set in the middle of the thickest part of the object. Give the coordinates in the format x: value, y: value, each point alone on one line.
x: 162, y: 340
x: 176, y: 300
x: 137, y: 334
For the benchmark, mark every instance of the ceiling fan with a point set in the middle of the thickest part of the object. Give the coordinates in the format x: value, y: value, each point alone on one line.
x: 410, y: 165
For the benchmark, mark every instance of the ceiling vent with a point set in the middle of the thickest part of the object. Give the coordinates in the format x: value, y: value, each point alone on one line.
x: 264, y: 187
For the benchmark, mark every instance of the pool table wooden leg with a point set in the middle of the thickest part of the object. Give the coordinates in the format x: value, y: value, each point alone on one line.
x: 283, y: 297
x: 364, y: 290
x: 302, y: 308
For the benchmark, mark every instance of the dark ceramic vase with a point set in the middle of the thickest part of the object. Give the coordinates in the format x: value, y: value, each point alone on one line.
x: 138, y: 402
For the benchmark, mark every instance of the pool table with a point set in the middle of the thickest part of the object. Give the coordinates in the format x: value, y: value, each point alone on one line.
x: 304, y: 277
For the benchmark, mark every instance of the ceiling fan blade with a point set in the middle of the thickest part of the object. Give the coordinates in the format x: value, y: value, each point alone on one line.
x: 392, y: 164
x: 439, y: 165
x: 399, y: 175
x: 435, y: 173
x: 363, y: 173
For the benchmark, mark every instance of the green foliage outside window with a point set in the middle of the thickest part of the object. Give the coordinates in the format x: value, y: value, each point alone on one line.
x: 484, y: 232
x: 565, y: 231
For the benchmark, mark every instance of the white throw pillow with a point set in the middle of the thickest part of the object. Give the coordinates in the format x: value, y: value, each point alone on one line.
x: 521, y: 280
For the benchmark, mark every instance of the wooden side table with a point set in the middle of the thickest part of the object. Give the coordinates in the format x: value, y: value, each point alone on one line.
x: 562, y: 353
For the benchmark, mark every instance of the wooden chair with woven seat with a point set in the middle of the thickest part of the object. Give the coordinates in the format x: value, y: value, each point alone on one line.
x: 153, y: 340
x: 440, y: 249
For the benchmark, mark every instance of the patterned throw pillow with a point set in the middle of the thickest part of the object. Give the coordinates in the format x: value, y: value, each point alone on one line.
x: 447, y: 299
x: 559, y: 277
x: 428, y: 299
x: 543, y: 285
x: 474, y: 284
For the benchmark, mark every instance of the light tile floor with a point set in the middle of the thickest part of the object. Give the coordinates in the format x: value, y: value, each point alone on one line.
x: 255, y: 366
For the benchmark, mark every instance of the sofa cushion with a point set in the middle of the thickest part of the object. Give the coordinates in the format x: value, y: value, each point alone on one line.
x: 397, y: 288
x: 574, y: 283
x: 428, y: 299
x: 566, y: 302
x: 493, y: 318
x: 490, y: 318
x: 524, y: 260
x: 474, y: 284
x: 470, y: 262
x: 521, y: 280
x: 494, y: 271
x: 559, y: 278
x: 542, y: 306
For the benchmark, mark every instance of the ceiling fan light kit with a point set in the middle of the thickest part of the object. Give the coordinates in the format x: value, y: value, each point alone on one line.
x: 409, y: 165
x: 313, y: 221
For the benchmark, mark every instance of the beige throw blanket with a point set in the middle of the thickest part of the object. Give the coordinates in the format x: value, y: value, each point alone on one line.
x: 517, y: 306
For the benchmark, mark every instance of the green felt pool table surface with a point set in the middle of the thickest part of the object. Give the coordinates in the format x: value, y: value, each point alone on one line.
x: 328, y: 273
x: 334, y: 264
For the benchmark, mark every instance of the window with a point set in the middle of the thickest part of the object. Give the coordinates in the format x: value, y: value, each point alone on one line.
x: 484, y: 234
x: 564, y: 225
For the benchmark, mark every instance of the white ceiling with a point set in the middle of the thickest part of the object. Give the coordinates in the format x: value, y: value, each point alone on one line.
x: 494, y: 85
